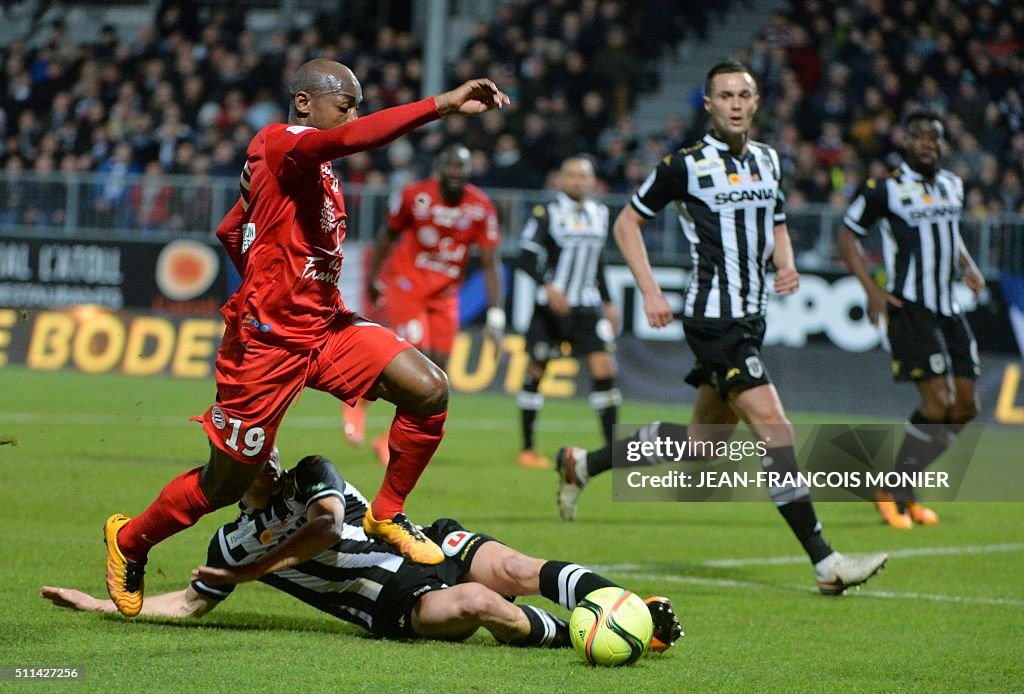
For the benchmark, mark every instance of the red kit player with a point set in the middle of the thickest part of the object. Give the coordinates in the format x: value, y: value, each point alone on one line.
x: 419, y: 262
x: 286, y: 327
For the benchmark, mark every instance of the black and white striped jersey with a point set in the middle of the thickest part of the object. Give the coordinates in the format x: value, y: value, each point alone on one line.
x: 345, y: 580
x: 562, y: 243
x: 728, y: 207
x: 920, y: 226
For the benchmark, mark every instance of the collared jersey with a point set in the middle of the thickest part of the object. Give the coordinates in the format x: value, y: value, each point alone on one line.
x: 728, y: 207
x: 562, y: 243
x: 920, y: 226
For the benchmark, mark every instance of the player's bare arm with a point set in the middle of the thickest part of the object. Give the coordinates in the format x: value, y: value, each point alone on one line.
x: 325, y: 519
x: 490, y: 263
x: 630, y: 239
x: 787, y: 278
x: 852, y: 252
x: 180, y: 603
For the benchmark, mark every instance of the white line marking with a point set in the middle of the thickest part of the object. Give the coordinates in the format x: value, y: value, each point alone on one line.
x: 794, y: 559
x: 913, y: 552
x: 884, y: 594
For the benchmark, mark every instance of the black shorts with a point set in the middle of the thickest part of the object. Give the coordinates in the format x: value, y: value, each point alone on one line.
x: 927, y: 344
x: 585, y: 329
x: 728, y: 352
x: 412, y: 581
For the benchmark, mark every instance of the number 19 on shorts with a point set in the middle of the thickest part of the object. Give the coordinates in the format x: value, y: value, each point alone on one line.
x: 253, y: 437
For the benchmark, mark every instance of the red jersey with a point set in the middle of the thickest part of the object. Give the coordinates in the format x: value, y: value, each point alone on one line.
x: 286, y: 232
x: 431, y: 253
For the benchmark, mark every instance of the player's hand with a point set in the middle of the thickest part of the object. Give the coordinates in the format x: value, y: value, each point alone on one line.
x: 879, y: 302
x: 494, y: 327
x: 472, y: 97
x: 974, y: 281
x: 658, y: 312
x: 556, y: 300
x: 215, y: 576
x: 787, y: 281
x: 74, y: 599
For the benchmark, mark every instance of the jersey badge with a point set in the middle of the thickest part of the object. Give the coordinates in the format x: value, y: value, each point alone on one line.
x: 706, y: 167
x: 454, y: 541
x: 236, y: 537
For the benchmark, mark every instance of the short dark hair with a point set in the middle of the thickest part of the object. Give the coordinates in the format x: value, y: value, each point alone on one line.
x: 725, y: 67
x: 923, y: 115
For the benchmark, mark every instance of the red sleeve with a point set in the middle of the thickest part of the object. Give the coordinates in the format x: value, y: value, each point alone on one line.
x: 369, y: 132
x: 229, y: 232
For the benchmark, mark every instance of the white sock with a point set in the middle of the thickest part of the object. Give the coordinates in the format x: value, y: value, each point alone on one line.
x: 824, y: 567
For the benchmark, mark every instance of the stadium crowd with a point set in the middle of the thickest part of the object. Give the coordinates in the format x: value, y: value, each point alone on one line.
x: 186, y: 95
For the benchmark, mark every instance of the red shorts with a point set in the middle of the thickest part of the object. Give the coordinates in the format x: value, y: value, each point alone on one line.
x: 428, y: 323
x: 256, y: 382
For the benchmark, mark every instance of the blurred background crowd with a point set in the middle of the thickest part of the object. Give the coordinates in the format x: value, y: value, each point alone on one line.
x: 186, y: 95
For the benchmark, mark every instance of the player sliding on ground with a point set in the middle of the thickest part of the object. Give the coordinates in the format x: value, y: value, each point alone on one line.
x: 301, y: 531
x: 287, y: 328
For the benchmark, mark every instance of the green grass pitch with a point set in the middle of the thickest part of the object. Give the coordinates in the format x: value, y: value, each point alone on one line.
x: 946, y: 615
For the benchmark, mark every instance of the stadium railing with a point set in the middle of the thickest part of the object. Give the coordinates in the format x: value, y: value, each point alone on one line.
x: 161, y: 208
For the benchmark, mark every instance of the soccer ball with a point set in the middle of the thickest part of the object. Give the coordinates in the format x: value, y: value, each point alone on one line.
x: 611, y: 626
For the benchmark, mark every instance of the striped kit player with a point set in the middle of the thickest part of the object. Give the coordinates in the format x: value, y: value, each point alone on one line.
x: 917, y: 210
x: 301, y: 531
x: 561, y: 248
x: 726, y: 189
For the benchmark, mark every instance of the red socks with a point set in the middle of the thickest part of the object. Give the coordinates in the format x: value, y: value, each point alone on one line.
x: 179, y: 506
x: 412, y: 441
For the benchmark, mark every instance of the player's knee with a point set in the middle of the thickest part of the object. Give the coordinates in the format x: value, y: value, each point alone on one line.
x: 519, y: 569
x: 964, y: 411
x: 935, y: 409
x: 479, y: 603
x: 434, y: 387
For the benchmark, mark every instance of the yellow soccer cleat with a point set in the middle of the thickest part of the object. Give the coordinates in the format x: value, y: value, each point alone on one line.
x: 124, y: 577
x: 922, y: 515
x: 529, y: 458
x: 891, y: 513
x: 400, y: 533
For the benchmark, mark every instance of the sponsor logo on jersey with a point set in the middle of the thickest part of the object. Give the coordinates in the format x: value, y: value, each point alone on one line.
x: 236, y: 537
x: 454, y: 541
x: 248, y: 235
x: 734, y: 179
x: 706, y: 167
x: 745, y: 195
x: 266, y: 537
x: 933, y: 212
